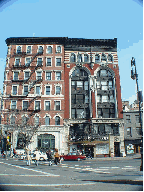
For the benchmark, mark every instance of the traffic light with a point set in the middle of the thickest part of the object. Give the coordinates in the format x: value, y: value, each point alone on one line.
x: 132, y: 61
x: 132, y: 74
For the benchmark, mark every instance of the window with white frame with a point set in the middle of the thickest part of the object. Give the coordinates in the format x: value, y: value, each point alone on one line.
x: 72, y: 58
x: 27, y: 61
x: 19, y: 50
x: 29, y: 49
x: 25, y: 105
x: 39, y: 61
x: 25, y: 89
x: 129, y: 132
x: 36, y: 120
x: 14, y: 90
x: 57, y: 105
x: 48, y: 90
x: 38, y: 90
x: 110, y: 58
x: 40, y: 49
x: 58, y: 76
x: 97, y: 58
x: 37, y: 105
x: 48, y: 61
x: 26, y: 75
x: 13, y: 104
x: 38, y: 75
x: 57, y: 120
x: 15, y: 75
x: 48, y: 75
x: 47, y: 105
x: 103, y: 58
x: 49, y: 49
x: 86, y: 58
x: 58, y: 49
x: 58, y: 90
x: 17, y: 62
x: 47, y: 120
x: 104, y: 98
x: 79, y: 58
x: 8, y: 50
x: 58, y: 62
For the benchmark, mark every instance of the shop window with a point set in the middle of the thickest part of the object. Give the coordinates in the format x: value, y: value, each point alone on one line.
x: 46, y: 141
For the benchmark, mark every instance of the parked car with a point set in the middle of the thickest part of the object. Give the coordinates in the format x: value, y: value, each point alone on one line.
x: 41, y: 156
x: 73, y: 156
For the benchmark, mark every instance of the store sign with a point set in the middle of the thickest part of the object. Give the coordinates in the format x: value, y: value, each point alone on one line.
x: 130, y: 149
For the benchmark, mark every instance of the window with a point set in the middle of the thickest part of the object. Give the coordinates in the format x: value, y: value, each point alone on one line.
x: 86, y: 85
x: 39, y: 75
x: 13, y: 104
x: 58, y: 90
x: 57, y: 120
x: 25, y: 90
x: 39, y: 62
x: 14, y: 90
x: 129, y: 131
x: 17, y: 62
x: 104, y: 85
x: 128, y: 119
x: 27, y: 75
x: 85, y: 58
x: 58, y: 75
x: 104, y: 98
x: 73, y: 58
x: 103, y: 73
x: 98, y: 98
x: 38, y: 91
x: 58, y: 49
x: 111, y: 98
x: 28, y: 49
x: 104, y: 57
x: 49, y: 49
x: 25, y: 104
x: 12, y: 120
x: 79, y: 58
x: 110, y: 58
x: 47, y: 105
x: 95, y: 127
x: 47, y: 120
x: 137, y: 119
x: 48, y: 62
x: 18, y: 49
x: 86, y: 99
x: 73, y: 113
x: 80, y: 113
x: 40, y: 49
x: 58, y: 61
x: 24, y: 119
x: 15, y: 75
x: 138, y: 129
x: 37, y: 105
x: 98, y: 85
x: 97, y: 58
x: 36, y: 120
x: 47, y: 90
x: 110, y: 85
x: 48, y: 75
x: 28, y: 60
x: 57, y: 105
x: 108, y: 128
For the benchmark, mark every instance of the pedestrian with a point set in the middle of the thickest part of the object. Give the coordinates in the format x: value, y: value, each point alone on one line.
x: 28, y: 156
x: 49, y: 157
x: 57, y: 156
x: 14, y: 152
x: 36, y: 157
x: 2, y: 152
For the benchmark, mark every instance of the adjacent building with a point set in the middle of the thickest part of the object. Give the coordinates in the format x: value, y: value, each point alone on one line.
x: 66, y: 93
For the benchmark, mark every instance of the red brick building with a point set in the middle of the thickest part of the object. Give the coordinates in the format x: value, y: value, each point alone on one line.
x: 68, y: 90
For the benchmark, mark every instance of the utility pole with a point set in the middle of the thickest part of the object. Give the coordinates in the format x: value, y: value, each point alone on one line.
x: 134, y: 75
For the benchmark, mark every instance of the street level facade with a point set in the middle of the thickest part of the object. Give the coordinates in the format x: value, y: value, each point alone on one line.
x: 63, y: 93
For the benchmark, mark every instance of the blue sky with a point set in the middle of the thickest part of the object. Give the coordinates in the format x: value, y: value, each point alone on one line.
x: 93, y: 19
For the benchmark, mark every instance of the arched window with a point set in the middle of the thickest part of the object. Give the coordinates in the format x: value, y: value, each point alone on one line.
x: 49, y: 49
x: 57, y: 120
x: 24, y: 120
x: 19, y: 49
x: 79, y: 58
x: 40, y: 49
x: 46, y: 141
x: 36, y: 120
x: 97, y: 58
x: 72, y: 58
x: 47, y: 120
x: 86, y: 58
x: 104, y: 57
x: 110, y: 58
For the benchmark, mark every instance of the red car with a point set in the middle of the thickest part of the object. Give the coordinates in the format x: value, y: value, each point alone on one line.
x: 73, y: 156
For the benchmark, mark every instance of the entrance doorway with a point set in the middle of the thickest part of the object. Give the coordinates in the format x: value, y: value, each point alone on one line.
x: 116, y: 149
x: 46, y: 141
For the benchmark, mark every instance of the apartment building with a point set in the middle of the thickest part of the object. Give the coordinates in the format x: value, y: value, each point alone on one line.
x: 66, y: 91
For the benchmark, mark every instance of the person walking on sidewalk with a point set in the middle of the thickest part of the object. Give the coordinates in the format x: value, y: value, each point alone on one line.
x: 57, y: 156
x: 28, y: 156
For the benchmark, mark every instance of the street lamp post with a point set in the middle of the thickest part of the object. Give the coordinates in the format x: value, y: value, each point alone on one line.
x: 134, y: 75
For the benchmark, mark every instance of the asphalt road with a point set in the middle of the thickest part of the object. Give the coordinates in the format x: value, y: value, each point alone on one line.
x: 87, y: 175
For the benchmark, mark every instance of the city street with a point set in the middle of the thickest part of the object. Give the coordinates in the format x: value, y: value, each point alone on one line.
x: 99, y: 174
